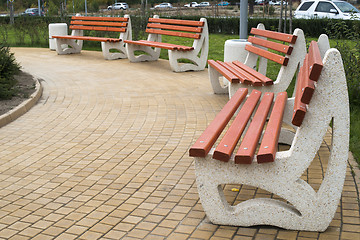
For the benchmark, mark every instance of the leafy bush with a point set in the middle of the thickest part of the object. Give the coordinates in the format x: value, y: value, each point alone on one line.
x: 350, y: 53
x: 8, y: 68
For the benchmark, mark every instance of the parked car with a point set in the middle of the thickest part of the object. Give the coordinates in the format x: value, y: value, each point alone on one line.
x: 223, y: 4
x: 326, y: 9
x: 259, y: 2
x: 164, y: 5
x: 277, y: 2
x: 32, y: 12
x: 118, y: 6
x: 192, y: 4
x: 204, y: 4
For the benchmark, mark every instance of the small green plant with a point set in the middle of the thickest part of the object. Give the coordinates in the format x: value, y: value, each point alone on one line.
x: 8, y: 68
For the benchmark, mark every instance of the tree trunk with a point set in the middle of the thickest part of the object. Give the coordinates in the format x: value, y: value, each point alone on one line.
x: 281, y: 16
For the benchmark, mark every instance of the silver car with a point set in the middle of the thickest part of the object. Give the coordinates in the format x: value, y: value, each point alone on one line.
x: 118, y: 6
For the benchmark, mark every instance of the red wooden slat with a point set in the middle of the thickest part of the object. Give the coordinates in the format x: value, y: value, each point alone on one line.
x: 299, y: 107
x: 269, y: 55
x: 109, y: 29
x: 203, y: 145
x: 151, y: 44
x: 284, y: 37
x: 97, y: 39
x: 272, y: 45
x: 171, y: 33
x: 174, y: 27
x: 269, y: 143
x: 245, y: 77
x: 94, y: 23
x: 235, y: 70
x: 315, y: 61
x: 224, y: 71
x: 265, y: 80
x: 308, y: 86
x: 246, y: 151
x: 112, y: 19
x: 228, y: 142
x: 177, y: 22
x: 168, y: 46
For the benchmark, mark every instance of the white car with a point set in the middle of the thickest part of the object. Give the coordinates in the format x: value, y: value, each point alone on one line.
x: 326, y: 9
x: 192, y: 4
x: 277, y: 2
x: 118, y: 6
x: 164, y: 5
x: 204, y: 4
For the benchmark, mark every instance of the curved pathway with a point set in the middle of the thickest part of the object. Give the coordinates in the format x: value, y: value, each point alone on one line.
x: 104, y: 154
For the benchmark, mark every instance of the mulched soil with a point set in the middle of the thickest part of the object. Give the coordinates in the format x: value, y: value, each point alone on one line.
x: 25, y: 86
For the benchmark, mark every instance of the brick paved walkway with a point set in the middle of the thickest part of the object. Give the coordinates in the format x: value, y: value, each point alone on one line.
x: 104, y: 154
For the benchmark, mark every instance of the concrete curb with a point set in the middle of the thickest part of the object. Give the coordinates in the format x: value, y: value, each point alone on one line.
x: 23, y: 107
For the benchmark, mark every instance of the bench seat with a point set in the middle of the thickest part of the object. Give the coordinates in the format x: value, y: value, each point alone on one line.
x: 196, y: 54
x: 247, y: 152
x: 86, y: 38
x: 168, y: 46
x: 237, y: 72
x: 288, y: 50
x: 73, y: 43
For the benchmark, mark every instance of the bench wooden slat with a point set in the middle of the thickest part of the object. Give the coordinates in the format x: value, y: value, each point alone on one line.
x: 97, y: 39
x: 171, y: 33
x: 108, y: 29
x: 308, y: 86
x: 177, y: 22
x: 174, y: 46
x: 203, y: 145
x: 228, y: 142
x: 265, y: 80
x: 224, y: 71
x: 168, y: 46
x: 94, y: 23
x: 269, y: 55
x: 272, y: 45
x: 269, y: 143
x: 174, y: 27
x: 315, y: 61
x: 246, y: 151
x: 284, y: 37
x: 299, y: 107
x: 111, y: 19
x: 244, y: 76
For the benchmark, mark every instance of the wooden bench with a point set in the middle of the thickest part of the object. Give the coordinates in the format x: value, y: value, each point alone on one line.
x: 73, y: 43
x: 320, y: 102
x: 196, y: 54
x: 288, y: 50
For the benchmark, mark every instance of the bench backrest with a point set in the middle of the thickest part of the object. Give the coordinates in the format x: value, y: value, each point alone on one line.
x: 259, y: 43
x: 109, y: 24
x: 175, y: 27
x: 305, y: 86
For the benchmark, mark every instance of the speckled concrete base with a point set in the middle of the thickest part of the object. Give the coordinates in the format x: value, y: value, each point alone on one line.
x: 306, y: 209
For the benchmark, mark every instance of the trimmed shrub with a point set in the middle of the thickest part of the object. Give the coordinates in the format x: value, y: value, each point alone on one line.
x: 8, y: 68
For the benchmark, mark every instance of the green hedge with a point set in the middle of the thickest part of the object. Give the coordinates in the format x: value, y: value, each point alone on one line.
x: 311, y: 27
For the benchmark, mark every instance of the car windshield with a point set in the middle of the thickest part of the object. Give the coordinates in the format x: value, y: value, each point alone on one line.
x: 346, y: 7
